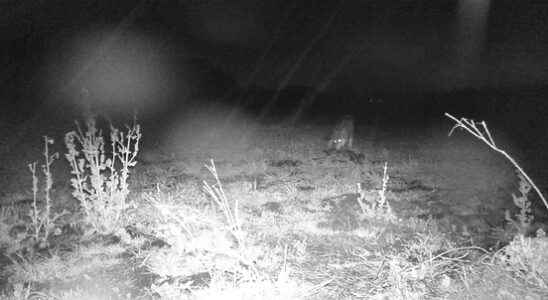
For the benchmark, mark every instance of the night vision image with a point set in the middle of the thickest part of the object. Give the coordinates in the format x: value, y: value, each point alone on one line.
x: 248, y: 149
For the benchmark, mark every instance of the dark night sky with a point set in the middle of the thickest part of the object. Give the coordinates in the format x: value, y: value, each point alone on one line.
x: 369, y: 46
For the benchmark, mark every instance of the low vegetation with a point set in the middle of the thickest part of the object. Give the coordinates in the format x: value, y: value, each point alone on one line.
x: 283, y: 220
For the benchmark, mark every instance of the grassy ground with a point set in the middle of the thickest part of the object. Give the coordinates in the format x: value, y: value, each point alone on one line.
x: 282, y: 219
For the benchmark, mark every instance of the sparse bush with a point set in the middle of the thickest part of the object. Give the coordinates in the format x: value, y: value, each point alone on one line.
x: 224, y: 264
x: 526, y: 259
x: 522, y: 262
x: 100, y: 177
x: 218, y: 195
x: 231, y: 213
x: 43, y: 220
x: 525, y: 216
x: 376, y: 206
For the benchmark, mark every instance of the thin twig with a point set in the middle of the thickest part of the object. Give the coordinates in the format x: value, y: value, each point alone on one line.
x: 485, y: 136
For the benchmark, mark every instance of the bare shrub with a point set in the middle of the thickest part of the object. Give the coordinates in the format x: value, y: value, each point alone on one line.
x: 100, y: 177
x: 43, y: 220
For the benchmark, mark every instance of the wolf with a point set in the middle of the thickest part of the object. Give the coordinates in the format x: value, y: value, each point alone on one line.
x: 343, y: 134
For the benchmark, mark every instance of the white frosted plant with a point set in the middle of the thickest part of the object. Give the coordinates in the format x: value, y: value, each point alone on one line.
x: 100, y: 177
x: 43, y: 219
x: 218, y: 194
x: 524, y: 216
x: 376, y: 206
